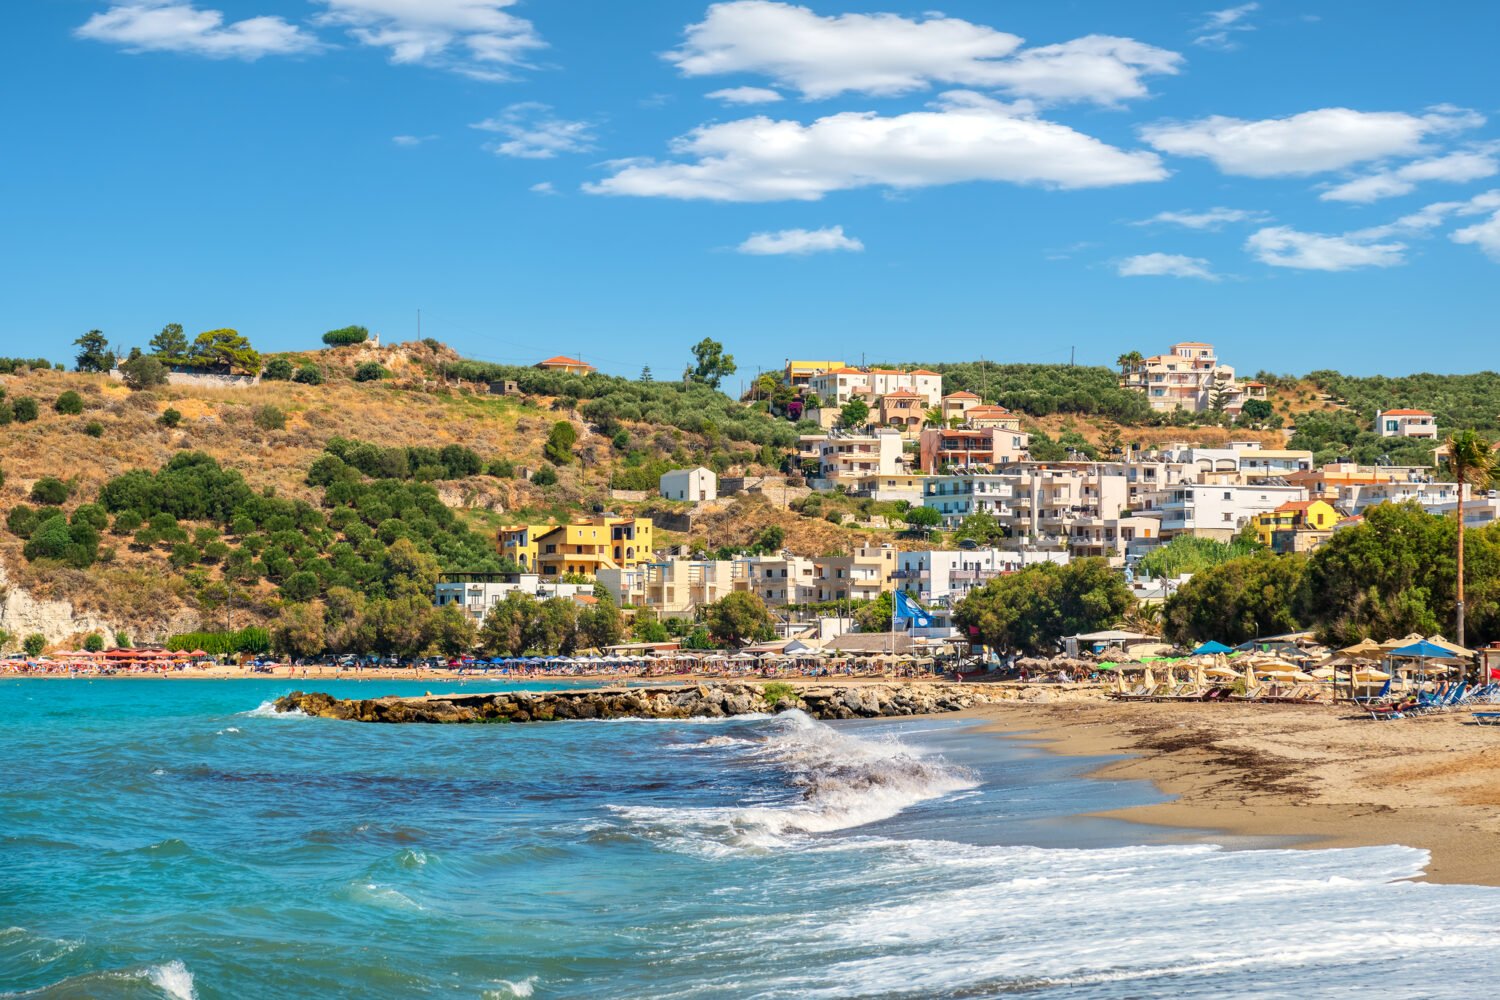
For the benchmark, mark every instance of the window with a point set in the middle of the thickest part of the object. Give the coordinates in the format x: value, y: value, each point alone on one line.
x: 1228, y: 495
x: 1228, y: 516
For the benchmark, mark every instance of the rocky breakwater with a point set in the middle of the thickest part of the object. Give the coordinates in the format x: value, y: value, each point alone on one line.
x: 701, y: 701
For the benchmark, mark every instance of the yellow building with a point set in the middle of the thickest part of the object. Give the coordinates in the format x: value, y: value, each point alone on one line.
x: 799, y: 372
x: 1295, y: 515
x: 583, y: 547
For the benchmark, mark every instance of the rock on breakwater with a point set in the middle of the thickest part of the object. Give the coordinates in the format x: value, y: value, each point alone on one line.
x: 700, y: 701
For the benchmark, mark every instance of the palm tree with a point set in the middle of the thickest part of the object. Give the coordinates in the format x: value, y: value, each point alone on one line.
x: 933, y: 417
x: 1472, y: 462
x: 1129, y: 360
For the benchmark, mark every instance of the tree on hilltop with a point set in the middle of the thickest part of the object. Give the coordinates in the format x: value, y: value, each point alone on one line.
x: 346, y: 335
x: 713, y: 365
x: 94, y: 354
x: 225, y: 350
x: 171, y: 345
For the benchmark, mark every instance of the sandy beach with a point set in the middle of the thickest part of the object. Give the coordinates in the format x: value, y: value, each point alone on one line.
x: 1321, y: 774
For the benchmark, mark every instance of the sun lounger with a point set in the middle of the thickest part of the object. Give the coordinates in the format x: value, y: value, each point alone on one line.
x: 1487, y: 718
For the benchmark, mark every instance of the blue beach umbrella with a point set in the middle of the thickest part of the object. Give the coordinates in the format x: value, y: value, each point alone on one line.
x: 1424, y: 650
x: 1211, y: 647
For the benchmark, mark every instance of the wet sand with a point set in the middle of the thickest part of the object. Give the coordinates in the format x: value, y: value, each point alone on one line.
x: 1323, y: 776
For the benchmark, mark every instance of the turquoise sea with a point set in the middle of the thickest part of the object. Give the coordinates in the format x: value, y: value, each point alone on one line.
x: 176, y: 839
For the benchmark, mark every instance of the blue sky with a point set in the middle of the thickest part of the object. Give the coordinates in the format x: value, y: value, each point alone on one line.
x: 1305, y: 185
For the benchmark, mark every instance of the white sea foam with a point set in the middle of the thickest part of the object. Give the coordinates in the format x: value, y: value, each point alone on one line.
x: 173, y: 979
x: 1188, y: 920
x: 267, y: 710
x: 509, y: 988
x: 845, y: 781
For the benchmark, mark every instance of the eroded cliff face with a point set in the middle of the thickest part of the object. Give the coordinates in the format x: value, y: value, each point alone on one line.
x: 23, y: 615
x: 709, y: 700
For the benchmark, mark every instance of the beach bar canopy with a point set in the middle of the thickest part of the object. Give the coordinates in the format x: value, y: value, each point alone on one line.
x: 1211, y: 647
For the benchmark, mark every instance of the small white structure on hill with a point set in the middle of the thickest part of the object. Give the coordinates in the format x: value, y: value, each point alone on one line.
x: 690, y: 484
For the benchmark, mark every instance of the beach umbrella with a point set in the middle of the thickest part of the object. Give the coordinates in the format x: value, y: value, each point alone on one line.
x: 1149, y: 679
x: 1453, y: 648
x: 1210, y: 647
x: 1367, y: 648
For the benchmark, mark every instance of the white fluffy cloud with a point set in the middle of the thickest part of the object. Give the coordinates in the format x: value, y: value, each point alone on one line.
x: 477, y: 38
x: 411, y: 140
x: 1217, y: 26
x: 1454, y: 168
x: 888, y: 54
x: 1171, y: 265
x: 963, y: 137
x: 1308, y: 143
x: 173, y: 26
x: 530, y: 131
x: 1484, y: 235
x: 799, y: 241
x: 1282, y: 246
x: 745, y: 95
x: 1213, y: 218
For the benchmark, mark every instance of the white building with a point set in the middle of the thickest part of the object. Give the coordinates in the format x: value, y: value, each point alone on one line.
x: 1434, y: 497
x: 1406, y: 423
x: 1217, y: 510
x: 946, y: 576
x: 690, y: 484
x: 674, y: 586
x: 840, y: 385
x: 842, y: 456
x: 478, y: 592
x: 1040, y: 500
x: 1189, y: 377
x: 779, y: 579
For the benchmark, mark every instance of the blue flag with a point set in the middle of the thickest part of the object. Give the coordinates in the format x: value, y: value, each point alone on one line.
x: 906, y: 608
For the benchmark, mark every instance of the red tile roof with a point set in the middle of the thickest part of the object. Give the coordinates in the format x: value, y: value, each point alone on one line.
x: 922, y: 371
x: 960, y: 395
x: 903, y: 393
x: 1405, y: 413
x: 561, y: 360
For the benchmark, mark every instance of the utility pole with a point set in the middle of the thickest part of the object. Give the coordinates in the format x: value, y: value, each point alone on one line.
x: 1072, y: 355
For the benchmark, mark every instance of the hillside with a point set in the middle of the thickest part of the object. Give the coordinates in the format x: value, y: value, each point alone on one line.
x: 259, y: 444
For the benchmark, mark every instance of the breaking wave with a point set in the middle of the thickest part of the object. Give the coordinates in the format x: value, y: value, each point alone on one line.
x: 842, y: 781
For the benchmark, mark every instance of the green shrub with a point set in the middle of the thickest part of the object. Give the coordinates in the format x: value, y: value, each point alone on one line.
x: 560, y: 440
x: 50, y: 490
x: 370, y: 371
x: 247, y: 640
x: 24, y: 410
x: 277, y: 370
x: 94, y: 429
x: 126, y: 522
x: 500, y: 468
x: 270, y: 417
x: 308, y: 375
x: 35, y: 643
x: 144, y: 372
x: 68, y: 402
x: 775, y: 691
x: 169, y: 418
x: 93, y: 642
x: 122, y: 640
x: 545, y: 476
x: 344, y: 336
